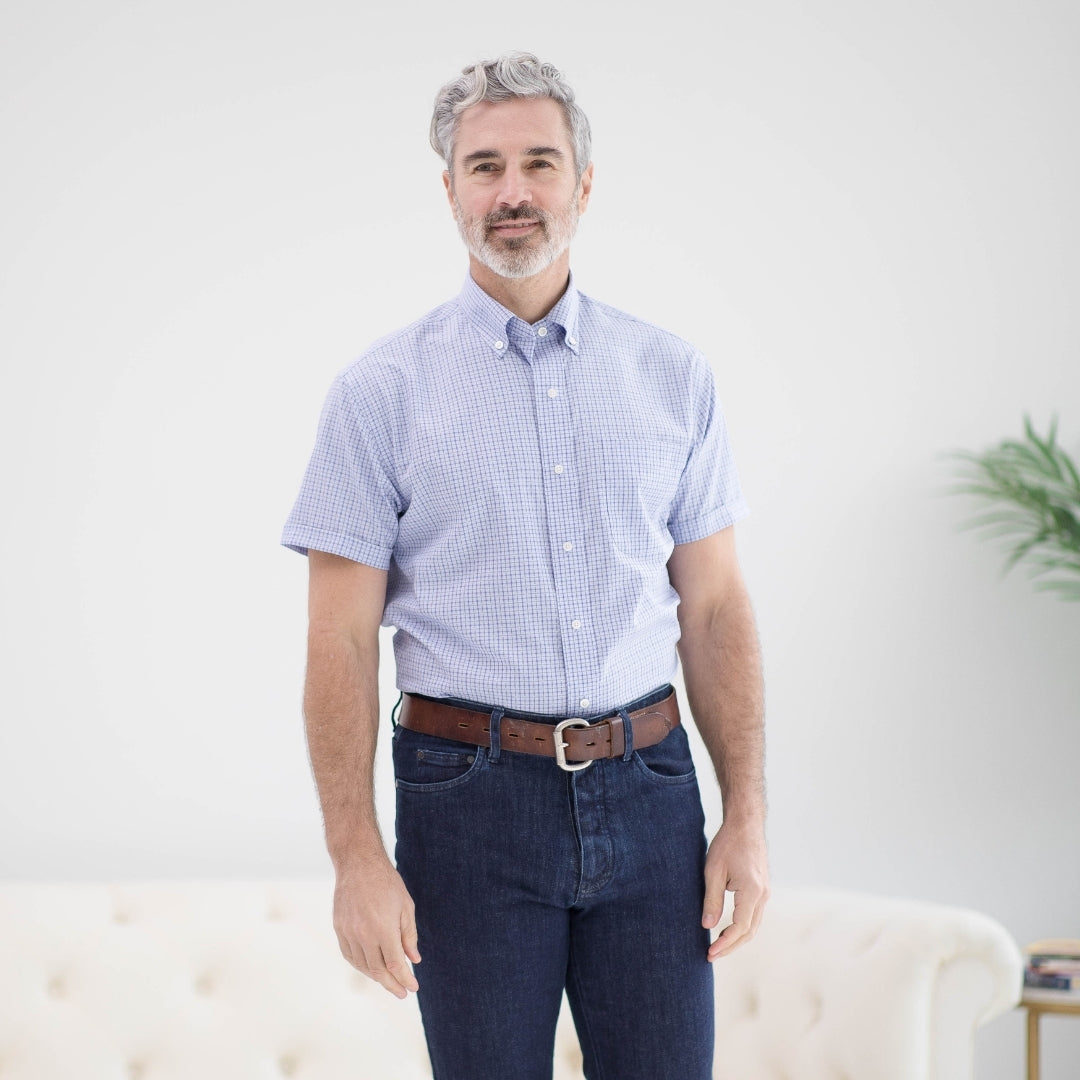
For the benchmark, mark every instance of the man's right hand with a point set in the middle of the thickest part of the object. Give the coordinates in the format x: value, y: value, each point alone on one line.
x: 375, y: 922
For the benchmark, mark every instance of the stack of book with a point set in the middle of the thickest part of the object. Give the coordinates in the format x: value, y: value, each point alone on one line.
x: 1053, y: 966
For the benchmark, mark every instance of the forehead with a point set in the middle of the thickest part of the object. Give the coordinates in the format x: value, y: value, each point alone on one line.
x: 511, y: 127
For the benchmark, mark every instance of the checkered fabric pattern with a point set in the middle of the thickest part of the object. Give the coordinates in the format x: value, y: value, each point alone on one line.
x: 524, y: 486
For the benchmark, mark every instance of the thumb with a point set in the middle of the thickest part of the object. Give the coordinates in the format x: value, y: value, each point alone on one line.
x: 713, y: 908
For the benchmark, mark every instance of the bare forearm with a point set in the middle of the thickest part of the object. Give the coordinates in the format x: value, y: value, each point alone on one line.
x: 341, y: 712
x: 721, y: 662
x: 722, y: 667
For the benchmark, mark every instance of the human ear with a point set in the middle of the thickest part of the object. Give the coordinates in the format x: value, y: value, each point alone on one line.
x: 585, y: 188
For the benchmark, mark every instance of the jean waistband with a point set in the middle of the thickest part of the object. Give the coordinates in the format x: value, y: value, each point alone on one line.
x: 651, y: 698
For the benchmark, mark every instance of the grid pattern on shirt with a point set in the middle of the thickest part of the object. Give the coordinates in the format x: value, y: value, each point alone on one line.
x: 523, y: 485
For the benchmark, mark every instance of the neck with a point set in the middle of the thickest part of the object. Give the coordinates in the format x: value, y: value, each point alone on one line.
x: 531, y: 298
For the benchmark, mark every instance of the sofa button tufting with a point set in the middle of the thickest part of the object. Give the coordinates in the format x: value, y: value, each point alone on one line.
x: 867, y: 943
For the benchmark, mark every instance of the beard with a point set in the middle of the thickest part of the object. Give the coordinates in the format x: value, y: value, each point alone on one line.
x: 518, y: 256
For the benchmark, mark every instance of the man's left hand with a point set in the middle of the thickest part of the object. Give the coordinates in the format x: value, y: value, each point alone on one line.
x: 736, y: 863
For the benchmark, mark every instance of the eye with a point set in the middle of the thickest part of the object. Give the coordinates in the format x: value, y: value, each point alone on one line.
x: 539, y: 164
x: 486, y: 166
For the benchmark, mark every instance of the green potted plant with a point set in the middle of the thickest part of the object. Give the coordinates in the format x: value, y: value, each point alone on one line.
x: 1032, y: 491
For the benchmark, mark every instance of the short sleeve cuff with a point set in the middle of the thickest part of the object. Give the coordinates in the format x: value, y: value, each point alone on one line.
x: 707, y: 524
x: 348, y: 547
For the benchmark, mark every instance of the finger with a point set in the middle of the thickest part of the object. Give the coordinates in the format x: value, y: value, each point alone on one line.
x: 745, y: 920
x: 398, y: 968
x: 731, y: 936
x: 712, y: 910
x: 728, y: 940
x: 408, y: 934
x: 376, y: 967
x: 346, y: 951
x: 759, y: 913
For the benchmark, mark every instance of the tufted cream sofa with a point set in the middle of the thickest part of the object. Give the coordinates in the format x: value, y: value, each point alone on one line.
x: 227, y: 980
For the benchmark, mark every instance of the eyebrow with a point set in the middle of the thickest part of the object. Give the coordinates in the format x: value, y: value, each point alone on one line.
x: 532, y: 151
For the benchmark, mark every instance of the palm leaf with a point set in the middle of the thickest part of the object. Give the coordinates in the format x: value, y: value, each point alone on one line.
x: 1033, y: 491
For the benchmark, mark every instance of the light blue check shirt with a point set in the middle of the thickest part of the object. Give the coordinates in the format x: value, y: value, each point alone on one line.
x: 523, y: 485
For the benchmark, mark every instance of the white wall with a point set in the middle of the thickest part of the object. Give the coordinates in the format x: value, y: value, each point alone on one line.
x: 866, y: 214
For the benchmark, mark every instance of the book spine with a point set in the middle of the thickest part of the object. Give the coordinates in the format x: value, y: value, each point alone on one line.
x: 1054, y: 966
x: 1051, y: 982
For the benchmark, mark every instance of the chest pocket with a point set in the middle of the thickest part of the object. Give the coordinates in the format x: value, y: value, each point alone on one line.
x: 642, y: 471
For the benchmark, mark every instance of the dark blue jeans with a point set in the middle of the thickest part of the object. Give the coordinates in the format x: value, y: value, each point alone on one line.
x: 528, y: 880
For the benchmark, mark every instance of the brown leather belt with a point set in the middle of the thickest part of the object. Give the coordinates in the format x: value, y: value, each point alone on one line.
x: 573, y: 740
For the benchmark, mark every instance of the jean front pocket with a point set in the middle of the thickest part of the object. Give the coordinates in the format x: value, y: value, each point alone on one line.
x: 429, y: 763
x: 669, y: 761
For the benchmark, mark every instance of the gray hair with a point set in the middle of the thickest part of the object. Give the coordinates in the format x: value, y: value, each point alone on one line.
x: 514, y: 75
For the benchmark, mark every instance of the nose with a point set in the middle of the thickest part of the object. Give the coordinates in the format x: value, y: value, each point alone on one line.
x: 515, y: 190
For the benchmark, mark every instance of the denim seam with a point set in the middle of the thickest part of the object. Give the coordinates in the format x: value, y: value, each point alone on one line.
x: 597, y: 1072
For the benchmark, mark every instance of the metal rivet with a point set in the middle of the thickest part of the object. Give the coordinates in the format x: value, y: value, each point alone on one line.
x: 471, y: 758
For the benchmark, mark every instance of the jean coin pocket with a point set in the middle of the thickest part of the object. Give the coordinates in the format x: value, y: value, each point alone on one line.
x: 428, y: 763
x: 669, y: 761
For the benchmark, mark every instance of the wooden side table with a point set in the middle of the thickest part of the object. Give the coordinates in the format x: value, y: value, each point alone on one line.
x: 1038, y: 1002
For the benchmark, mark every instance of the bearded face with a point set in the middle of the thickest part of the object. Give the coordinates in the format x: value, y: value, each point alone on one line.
x: 518, y: 242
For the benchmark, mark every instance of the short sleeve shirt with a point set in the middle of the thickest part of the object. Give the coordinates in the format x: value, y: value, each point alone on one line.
x: 523, y: 486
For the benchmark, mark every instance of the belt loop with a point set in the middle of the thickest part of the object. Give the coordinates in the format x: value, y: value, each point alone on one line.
x: 495, y: 731
x: 628, y: 734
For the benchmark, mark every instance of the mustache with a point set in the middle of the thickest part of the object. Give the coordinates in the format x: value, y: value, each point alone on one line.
x: 516, y: 213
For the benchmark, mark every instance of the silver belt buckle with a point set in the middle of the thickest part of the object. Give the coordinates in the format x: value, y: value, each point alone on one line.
x: 560, y: 746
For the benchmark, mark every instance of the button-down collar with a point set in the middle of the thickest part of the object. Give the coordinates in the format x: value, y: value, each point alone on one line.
x: 494, y: 321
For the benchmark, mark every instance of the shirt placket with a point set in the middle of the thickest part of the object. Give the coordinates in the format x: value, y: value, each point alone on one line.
x: 566, y: 521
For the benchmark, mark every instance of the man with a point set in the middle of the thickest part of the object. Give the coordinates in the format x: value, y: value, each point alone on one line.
x: 536, y: 490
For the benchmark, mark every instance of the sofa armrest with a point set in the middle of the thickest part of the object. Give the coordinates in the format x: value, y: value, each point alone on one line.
x: 840, y: 984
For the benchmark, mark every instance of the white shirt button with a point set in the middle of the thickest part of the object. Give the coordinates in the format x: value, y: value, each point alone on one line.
x: 583, y: 703
x: 559, y: 470
x: 542, y: 331
x: 576, y: 624
x: 553, y: 392
x: 499, y: 344
x: 571, y: 340
x: 568, y: 546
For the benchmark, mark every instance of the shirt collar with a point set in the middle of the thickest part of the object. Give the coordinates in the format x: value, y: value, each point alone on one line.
x: 493, y: 320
